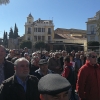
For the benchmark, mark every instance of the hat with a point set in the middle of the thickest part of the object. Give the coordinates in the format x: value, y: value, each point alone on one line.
x: 53, y: 84
x: 43, y: 61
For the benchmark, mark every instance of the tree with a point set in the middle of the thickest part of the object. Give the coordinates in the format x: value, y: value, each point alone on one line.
x: 4, y: 2
x: 4, y: 35
x: 15, y: 32
x: 27, y: 44
x: 11, y: 34
x: 5, y: 39
x: 93, y: 45
x: 40, y: 45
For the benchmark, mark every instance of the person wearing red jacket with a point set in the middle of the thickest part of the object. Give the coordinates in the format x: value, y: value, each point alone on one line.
x: 88, y: 81
x: 68, y: 73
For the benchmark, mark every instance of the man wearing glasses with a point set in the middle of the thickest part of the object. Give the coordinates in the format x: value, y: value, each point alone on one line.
x: 88, y: 82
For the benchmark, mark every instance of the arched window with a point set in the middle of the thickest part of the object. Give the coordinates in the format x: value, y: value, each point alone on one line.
x: 29, y: 30
x: 28, y: 38
x: 92, y: 29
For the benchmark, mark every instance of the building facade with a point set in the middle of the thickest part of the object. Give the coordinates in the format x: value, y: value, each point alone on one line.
x: 92, y: 34
x: 43, y: 30
x: 71, y: 38
x: 39, y: 30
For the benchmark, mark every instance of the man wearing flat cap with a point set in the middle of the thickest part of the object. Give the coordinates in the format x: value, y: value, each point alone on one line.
x: 54, y: 87
x: 43, y: 69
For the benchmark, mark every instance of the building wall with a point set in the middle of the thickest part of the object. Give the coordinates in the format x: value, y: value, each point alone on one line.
x: 42, y: 34
x: 74, y: 41
x: 91, y: 28
x: 45, y: 24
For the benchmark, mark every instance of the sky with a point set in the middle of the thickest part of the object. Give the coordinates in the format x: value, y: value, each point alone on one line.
x: 65, y: 13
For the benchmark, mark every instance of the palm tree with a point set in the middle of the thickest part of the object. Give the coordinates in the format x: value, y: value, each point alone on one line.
x: 4, y: 2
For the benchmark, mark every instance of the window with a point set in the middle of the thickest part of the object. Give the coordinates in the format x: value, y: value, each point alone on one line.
x: 49, y: 38
x: 92, y: 29
x: 35, y: 38
x: 49, y: 30
x: 39, y: 38
x: 43, y: 29
x: 29, y: 30
x: 43, y: 38
x: 39, y: 29
x: 35, y: 29
x: 28, y: 38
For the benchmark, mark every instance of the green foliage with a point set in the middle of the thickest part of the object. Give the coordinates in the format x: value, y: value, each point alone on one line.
x: 4, y: 2
x: 11, y: 34
x: 27, y: 44
x: 93, y: 45
x: 5, y: 39
x: 40, y: 45
x: 4, y: 35
x: 15, y: 32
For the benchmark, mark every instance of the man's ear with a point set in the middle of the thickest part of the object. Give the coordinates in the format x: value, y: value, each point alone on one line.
x: 41, y: 97
x: 14, y: 67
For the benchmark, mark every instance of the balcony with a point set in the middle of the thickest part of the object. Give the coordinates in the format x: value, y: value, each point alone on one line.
x: 91, y: 19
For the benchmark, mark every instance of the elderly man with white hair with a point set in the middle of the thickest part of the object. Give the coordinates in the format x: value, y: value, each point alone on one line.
x: 34, y: 64
x: 21, y: 86
x: 34, y: 54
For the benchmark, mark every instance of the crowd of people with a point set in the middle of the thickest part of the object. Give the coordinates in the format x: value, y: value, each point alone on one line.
x: 50, y: 75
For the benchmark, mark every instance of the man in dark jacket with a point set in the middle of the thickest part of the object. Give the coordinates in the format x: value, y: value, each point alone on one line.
x: 54, y: 63
x: 43, y: 69
x: 6, y: 67
x: 21, y: 86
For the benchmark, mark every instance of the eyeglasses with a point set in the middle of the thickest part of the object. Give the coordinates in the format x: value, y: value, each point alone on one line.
x: 93, y: 56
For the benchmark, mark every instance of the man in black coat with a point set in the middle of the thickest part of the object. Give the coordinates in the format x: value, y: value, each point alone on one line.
x: 6, y: 67
x: 21, y: 86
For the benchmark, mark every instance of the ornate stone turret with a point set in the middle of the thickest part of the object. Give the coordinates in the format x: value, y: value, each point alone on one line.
x: 30, y: 18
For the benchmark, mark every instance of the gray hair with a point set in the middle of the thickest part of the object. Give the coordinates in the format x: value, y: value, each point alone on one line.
x: 33, y: 54
x: 33, y: 58
x: 25, y: 54
x: 19, y: 60
x: 88, y: 54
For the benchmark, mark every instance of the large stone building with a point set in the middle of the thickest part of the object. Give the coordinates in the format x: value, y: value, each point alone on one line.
x: 92, y: 34
x: 39, y: 30
x: 43, y: 30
